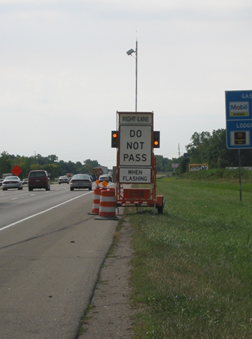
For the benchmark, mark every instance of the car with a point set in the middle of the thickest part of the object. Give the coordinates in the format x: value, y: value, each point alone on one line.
x: 104, y: 177
x: 38, y: 179
x: 12, y: 182
x: 25, y: 181
x: 63, y: 180
x: 80, y: 181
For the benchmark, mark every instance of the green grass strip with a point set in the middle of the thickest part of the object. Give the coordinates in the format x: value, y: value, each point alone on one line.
x: 192, y: 267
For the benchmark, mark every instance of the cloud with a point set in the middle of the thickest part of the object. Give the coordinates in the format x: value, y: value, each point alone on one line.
x: 129, y: 10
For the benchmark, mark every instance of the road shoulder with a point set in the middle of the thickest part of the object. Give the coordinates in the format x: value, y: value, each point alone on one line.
x: 109, y: 314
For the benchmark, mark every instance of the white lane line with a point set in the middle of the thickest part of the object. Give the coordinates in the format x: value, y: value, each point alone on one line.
x: 49, y: 209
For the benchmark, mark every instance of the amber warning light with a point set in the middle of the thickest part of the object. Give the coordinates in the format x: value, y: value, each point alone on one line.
x: 156, y: 139
x: 114, y: 135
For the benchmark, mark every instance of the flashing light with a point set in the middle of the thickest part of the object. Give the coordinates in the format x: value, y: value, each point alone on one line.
x: 104, y: 184
x: 114, y: 135
x: 156, y: 139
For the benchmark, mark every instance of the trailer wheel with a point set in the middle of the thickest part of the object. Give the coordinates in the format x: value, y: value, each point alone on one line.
x: 160, y: 209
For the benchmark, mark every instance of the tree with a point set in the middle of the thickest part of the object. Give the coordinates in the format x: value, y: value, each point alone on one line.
x: 52, y: 158
x: 211, y: 149
x: 163, y: 164
x: 53, y: 170
x: 24, y: 163
x: 5, y: 163
x: 89, y: 165
x: 183, y: 166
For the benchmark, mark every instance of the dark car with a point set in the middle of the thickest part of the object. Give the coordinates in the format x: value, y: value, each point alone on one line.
x: 38, y: 179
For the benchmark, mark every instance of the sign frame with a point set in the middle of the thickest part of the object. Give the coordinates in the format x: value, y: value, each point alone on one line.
x: 135, y: 147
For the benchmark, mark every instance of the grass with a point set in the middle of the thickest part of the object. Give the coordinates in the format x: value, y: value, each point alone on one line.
x: 192, y: 268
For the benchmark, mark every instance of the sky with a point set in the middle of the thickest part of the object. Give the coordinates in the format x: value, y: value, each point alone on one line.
x: 64, y: 71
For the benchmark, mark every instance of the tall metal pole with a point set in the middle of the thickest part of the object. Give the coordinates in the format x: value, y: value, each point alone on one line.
x: 136, y: 80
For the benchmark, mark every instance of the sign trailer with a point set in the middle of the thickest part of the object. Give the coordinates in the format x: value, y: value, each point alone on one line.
x: 136, y: 164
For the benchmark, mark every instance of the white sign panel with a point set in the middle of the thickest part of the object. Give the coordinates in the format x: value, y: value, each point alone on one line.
x: 135, y: 145
x: 135, y: 175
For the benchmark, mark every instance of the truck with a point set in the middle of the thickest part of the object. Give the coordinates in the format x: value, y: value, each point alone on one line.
x: 7, y: 175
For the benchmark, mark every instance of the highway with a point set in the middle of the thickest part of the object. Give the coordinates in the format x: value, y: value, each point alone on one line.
x: 51, y: 251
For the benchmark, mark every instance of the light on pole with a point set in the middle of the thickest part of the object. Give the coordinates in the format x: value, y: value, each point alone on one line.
x: 130, y: 52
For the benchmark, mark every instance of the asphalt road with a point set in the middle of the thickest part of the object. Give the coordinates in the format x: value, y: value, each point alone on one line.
x: 51, y: 251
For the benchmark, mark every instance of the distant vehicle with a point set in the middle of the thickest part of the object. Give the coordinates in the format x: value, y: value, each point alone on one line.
x: 38, y: 179
x: 96, y: 172
x: 12, y: 182
x: 69, y: 176
x: 25, y: 181
x: 63, y: 180
x: 104, y: 177
x: 80, y: 181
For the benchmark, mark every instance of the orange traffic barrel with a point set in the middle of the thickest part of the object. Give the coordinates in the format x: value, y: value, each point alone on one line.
x: 96, y: 200
x: 107, y: 207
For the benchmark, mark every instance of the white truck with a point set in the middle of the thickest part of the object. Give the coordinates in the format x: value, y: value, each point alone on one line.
x: 6, y: 175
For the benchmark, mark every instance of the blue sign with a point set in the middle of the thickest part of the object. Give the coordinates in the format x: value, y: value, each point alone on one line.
x: 239, y: 119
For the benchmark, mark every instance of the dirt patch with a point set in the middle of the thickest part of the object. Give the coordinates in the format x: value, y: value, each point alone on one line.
x: 109, y: 315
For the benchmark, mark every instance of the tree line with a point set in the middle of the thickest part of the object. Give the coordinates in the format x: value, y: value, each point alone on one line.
x: 50, y: 163
x: 211, y: 149
x: 206, y: 148
x: 203, y: 148
x: 57, y: 167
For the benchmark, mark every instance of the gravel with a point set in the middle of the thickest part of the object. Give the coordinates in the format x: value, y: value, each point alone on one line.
x: 110, y: 312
